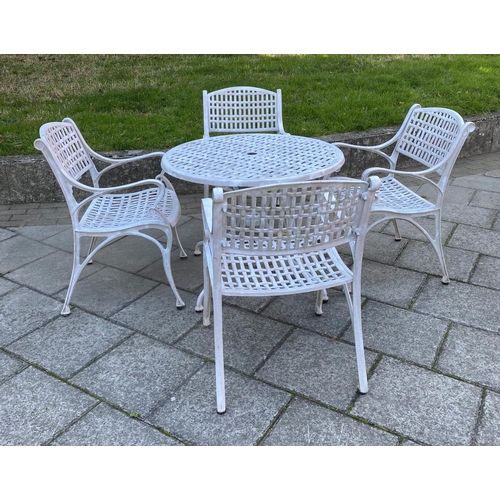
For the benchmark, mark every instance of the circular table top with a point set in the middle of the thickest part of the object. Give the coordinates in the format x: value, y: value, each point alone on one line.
x: 247, y: 160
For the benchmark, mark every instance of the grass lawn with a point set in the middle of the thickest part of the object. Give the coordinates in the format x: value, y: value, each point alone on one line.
x: 125, y: 102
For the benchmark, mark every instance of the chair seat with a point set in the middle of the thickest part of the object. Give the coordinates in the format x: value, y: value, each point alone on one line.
x: 393, y: 196
x: 120, y: 211
x: 286, y: 274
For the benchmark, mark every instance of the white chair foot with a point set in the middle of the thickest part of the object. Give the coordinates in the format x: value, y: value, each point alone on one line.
x: 445, y: 280
x: 65, y: 311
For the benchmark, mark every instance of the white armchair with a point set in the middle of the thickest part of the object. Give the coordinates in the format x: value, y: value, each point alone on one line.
x: 111, y: 212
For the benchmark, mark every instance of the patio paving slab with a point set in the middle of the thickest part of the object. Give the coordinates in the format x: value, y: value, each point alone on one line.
x: 9, y: 366
x: 34, y: 407
x: 105, y: 426
x: 51, y: 273
x: 40, y: 233
x: 487, y: 272
x: 109, y: 290
x: 251, y: 407
x: 421, y: 256
x: 425, y: 406
x: 22, y: 311
x: 156, y: 315
x: 298, y: 310
x: 489, y: 427
x: 6, y: 286
x: 67, y: 344
x: 401, y: 333
x: 308, y: 424
x: 476, y: 239
x: 388, y: 284
x: 471, y: 215
x: 316, y: 367
x: 486, y: 199
x: 473, y: 355
x: 138, y: 374
x: 18, y: 251
x: 248, y: 339
x: 467, y: 304
x: 5, y: 234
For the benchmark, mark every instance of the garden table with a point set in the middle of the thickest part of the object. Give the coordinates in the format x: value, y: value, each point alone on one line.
x: 246, y: 160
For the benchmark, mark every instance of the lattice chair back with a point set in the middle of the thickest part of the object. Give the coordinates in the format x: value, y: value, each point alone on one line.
x: 291, y: 218
x: 68, y: 156
x: 242, y: 109
x: 433, y: 137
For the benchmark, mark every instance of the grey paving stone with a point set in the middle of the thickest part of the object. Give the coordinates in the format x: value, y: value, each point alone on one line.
x: 63, y: 240
x: 109, y: 290
x: 34, y: 407
x: 389, y: 284
x: 9, y: 366
x: 51, y: 273
x: 486, y: 199
x: 190, y: 414
x: 478, y: 182
x: 473, y: 355
x: 487, y: 272
x: 6, y: 234
x: 474, y: 216
x: 6, y: 286
x: 40, y: 233
x: 308, y: 424
x: 138, y: 374
x: 18, y: 251
x: 382, y: 247
x: 316, y: 367
x: 421, y: 256
x: 105, y: 426
x: 69, y: 343
x: 467, y: 304
x: 424, y: 406
x: 476, y: 239
x: 188, y: 273
x: 248, y: 339
x: 130, y: 254
x: 22, y: 311
x: 298, y: 310
x: 489, y: 426
x: 405, y: 334
x: 156, y: 314
x: 409, y: 231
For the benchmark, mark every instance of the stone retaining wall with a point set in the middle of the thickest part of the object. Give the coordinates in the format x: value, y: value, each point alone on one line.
x: 28, y: 178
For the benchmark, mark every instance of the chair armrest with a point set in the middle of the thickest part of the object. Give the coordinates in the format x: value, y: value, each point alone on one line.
x: 113, y: 163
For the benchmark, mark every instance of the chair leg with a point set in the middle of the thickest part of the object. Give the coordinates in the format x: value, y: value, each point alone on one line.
x: 397, y: 235
x: 93, y: 241
x: 183, y: 254
x: 166, y: 253
x: 219, y: 354
x: 438, y: 247
x: 75, y: 274
x: 355, y: 310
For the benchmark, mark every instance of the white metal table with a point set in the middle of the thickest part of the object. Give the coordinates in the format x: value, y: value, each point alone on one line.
x: 246, y: 160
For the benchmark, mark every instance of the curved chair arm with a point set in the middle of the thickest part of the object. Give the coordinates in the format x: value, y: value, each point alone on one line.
x: 119, y: 162
x: 372, y: 149
x: 98, y: 192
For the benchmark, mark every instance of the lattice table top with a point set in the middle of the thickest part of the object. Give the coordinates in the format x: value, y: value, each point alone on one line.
x: 252, y: 159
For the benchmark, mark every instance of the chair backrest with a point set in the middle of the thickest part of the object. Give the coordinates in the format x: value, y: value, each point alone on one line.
x: 292, y: 218
x: 242, y: 109
x: 433, y: 137
x: 67, y: 153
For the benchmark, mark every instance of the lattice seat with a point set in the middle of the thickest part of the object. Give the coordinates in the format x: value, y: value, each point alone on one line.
x: 122, y: 211
x: 281, y: 239
x: 433, y: 137
x: 112, y: 212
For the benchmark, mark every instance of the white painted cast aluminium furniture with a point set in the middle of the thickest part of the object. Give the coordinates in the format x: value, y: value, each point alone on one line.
x: 111, y: 212
x: 252, y: 160
x: 281, y: 240
x: 433, y: 137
